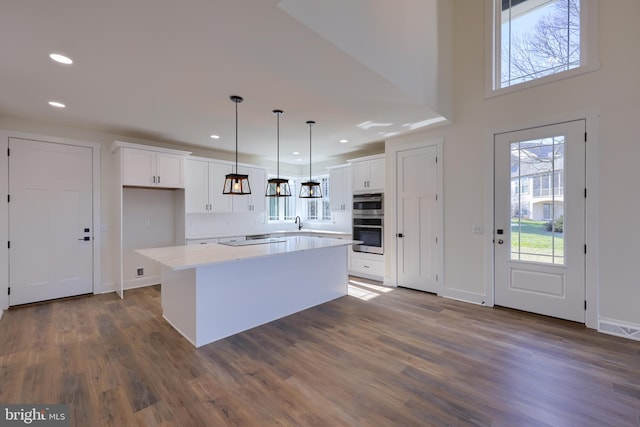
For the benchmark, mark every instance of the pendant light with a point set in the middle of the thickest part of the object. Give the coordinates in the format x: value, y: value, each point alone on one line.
x: 278, y: 187
x: 310, y: 189
x: 235, y: 183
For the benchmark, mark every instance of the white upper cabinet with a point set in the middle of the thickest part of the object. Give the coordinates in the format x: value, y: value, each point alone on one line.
x: 368, y: 175
x: 341, y: 193
x: 146, y: 166
x: 203, y: 189
x: 256, y: 201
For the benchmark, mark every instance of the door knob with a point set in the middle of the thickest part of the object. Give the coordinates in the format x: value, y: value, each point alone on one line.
x: 500, y: 241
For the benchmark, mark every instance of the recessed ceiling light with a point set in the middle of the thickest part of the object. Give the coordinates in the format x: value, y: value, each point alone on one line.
x: 61, y: 58
x: 215, y: 136
x: 295, y: 153
x: 344, y: 141
x: 57, y: 104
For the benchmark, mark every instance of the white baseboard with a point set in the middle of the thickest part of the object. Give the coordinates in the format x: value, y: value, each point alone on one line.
x: 106, y: 288
x: 463, y: 296
x: 389, y: 281
x: 141, y: 282
x: 619, y: 329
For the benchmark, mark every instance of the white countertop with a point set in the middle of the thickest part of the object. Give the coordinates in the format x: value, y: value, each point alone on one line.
x: 278, y: 233
x: 186, y: 257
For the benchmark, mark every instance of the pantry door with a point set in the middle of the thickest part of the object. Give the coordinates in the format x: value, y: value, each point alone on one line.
x: 50, y: 221
x: 417, y: 218
x: 539, y: 223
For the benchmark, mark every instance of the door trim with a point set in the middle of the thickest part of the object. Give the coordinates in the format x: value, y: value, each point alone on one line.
x: 4, y: 208
x: 592, y: 283
x: 391, y: 209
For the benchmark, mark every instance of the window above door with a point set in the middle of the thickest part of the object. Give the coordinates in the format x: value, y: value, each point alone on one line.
x: 534, y: 42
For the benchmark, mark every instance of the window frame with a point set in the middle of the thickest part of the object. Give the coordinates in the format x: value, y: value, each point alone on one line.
x: 589, y: 60
x: 282, y: 218
x: 325, y: 201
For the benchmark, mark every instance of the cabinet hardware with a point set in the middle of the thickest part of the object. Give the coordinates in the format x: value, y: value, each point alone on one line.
x: 154, y: 179
x: 158, y: 179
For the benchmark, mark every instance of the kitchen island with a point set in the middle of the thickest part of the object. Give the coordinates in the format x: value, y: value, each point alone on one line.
x: 210, y: 292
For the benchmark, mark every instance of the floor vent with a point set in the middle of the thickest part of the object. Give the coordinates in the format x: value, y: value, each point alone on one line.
x: 625, y: 331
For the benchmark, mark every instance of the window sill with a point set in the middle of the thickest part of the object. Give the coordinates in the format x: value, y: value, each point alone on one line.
x: 493, y: 93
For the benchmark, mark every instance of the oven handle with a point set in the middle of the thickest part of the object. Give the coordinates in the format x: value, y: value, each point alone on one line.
x: 367, y: 226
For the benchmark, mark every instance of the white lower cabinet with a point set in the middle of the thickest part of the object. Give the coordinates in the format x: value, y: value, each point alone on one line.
x: 370, y: 266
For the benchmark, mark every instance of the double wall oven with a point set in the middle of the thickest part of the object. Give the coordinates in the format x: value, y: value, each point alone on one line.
x: 368, y: 222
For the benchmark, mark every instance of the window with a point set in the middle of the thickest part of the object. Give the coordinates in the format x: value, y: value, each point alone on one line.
x: 283, y: 208
x: 319, y: 209
x: 536, y: 41
x: 286, y: 208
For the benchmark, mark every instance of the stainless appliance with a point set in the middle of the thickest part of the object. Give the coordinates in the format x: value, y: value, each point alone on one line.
x: 371, y: 204
x: 368, y: 222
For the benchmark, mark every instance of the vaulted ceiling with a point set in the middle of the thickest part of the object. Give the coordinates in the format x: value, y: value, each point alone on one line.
x: 163, y: 70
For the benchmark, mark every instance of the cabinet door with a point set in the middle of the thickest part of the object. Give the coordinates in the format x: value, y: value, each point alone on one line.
x: 169, y: 170
x: 255, y: 202
x: 360, y: 171
x: 376, y: 175
x: 139, y: 167
x: 258, y: 179
x: 219, y: 202
x: 336, y: 181
x: 347, y: 195
x: 196, y: 191
x: 340, y: 196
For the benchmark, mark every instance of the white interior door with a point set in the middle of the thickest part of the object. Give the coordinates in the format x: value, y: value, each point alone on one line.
x: 417, y: 217
x: 539, y: 249
x: 50, y: 221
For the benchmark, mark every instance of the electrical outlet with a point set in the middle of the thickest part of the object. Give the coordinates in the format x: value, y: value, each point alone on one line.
x: 477, y: 229
x: 140, y: 271
x: 105, y: 227
x: 147, y: 222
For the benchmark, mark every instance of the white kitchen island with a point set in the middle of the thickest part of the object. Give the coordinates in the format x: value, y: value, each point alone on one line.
x: 212, y: 291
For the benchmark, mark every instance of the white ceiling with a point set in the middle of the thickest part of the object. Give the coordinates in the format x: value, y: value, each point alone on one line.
x: 164, y: 70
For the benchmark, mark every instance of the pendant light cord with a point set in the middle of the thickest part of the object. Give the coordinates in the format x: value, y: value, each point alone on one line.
x: 236, y: 101
x: 310, y: 123
x: 278, y: 150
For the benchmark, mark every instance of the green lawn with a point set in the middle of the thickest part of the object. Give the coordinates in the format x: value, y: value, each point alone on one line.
x: 535, y: 243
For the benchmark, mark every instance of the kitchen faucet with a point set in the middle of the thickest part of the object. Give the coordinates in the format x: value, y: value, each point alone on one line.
x: 299, y: 222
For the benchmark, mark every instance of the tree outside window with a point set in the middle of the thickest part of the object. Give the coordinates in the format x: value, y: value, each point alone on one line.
x: 537, y: 38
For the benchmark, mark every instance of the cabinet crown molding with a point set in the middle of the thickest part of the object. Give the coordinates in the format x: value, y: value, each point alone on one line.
x: 367, y: 158
x: 122, y: 144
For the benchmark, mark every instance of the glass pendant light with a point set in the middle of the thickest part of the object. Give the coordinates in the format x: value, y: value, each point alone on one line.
x: 235, y: 183
x: 310, y: 189
x: 278, y: 187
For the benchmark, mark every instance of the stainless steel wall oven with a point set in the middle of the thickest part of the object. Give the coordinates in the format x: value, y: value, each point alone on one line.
x: 368, y: 222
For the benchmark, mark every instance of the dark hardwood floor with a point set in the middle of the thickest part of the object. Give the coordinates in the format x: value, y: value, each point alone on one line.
x: 403, y: 358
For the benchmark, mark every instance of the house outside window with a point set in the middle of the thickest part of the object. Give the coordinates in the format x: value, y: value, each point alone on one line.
x: 283, y: 208
x: 537, y: 41
x: 319, y: 209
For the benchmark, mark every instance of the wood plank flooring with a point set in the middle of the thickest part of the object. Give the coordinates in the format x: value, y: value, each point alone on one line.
x: 403, y: 358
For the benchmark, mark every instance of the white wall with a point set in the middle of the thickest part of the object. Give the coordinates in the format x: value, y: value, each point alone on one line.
x: 613, y: 91
x: 148, y: 222
x: 108, y: 192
